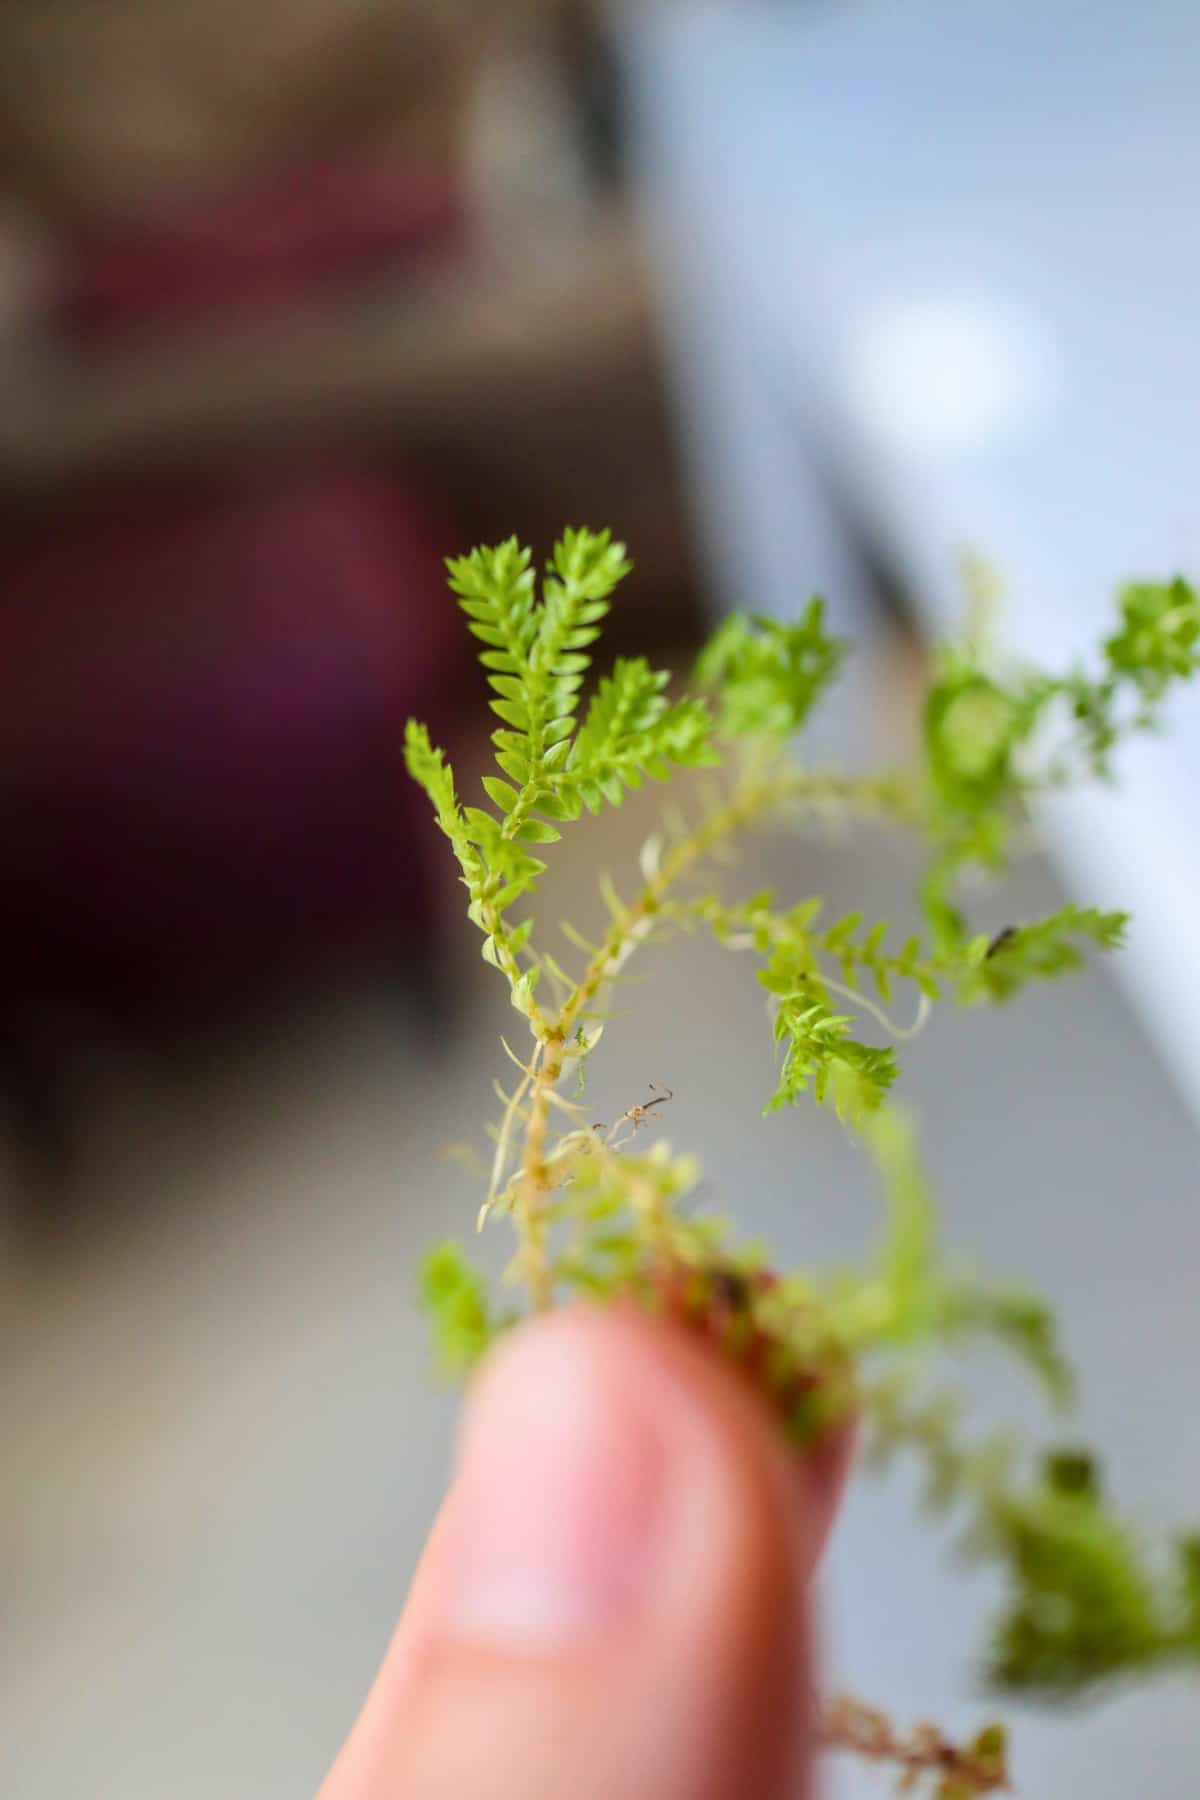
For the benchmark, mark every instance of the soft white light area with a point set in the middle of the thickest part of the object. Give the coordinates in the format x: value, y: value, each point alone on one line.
x: 945, y: 377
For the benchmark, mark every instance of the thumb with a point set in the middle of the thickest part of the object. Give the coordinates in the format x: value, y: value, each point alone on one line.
x: 613, y: 1600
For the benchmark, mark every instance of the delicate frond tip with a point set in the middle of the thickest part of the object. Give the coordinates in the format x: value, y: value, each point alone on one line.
x: 536, y: 650
x: 537, y: 655
x: 996, y: 734
x: 591, y: 563
x: 429, y: 768
x: 820, y: 1056
x: 1159, y: 639
x: 632, y: 730
x: 1043, y: 951
x: 768, y: 676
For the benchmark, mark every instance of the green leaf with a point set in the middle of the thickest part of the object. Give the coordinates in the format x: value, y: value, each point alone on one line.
x: 519, y: 937
x: 522, y: 995
x: 513, y: 712
x: 562, y: 807
x: 505, y: 797
x: 769, y: 676
x: 537, y: 831
x: 481, y: 826
x: 873, y: 942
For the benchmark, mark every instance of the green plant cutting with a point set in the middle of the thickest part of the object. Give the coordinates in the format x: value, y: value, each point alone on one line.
x: 608, y: 1212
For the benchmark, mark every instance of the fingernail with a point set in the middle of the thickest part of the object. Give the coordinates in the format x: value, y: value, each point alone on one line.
x: 569, y: 1478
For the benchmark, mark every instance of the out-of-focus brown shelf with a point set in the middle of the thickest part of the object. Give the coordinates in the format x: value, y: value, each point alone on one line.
x: 533, y: 394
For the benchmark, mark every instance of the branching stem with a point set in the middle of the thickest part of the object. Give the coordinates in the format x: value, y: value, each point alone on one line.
x: 759, y: 794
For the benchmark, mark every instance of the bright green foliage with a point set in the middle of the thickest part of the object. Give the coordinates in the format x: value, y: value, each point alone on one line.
x: 536, y: 650
x: 905, y: 1265
x: 429, y: 768
x: 984, y: 724
x: 1159, y: 639
x: 632, y: 730
x: 496, y: 869
x: 820, y: 1055
x: 597, y: 1213
x: 769, y: 675
x: 602, y: 1251
x: 799, y: 949
x: 1040, y: 952
x: 1157, y: 645
x: 973, y: 727
x: 807, y: 962
x: 456, y: 1300
x: 979, y: 718
x: 537, y: 653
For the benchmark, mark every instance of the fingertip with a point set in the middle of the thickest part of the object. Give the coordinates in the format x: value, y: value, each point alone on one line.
x: 636, y: 1355
x: 628, y: 1535
x: 808, y: 1480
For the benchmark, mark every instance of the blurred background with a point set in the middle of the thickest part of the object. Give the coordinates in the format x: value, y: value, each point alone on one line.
x: 814, y: 294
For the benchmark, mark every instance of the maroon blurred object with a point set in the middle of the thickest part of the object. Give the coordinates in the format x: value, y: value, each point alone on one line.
x: 257, y: 251
x: 204, y: 687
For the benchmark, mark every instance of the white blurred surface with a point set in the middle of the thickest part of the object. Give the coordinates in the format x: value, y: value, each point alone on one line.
x: 842, y: 187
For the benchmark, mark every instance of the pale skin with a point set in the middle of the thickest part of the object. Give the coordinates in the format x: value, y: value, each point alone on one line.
x: 614, y: 1602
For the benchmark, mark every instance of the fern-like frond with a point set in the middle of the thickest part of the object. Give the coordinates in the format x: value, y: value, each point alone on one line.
x: 994, y: 735
x: 768, y: 676
x: 821, y: 1057
x: 1043, y: 951
x: 537, y: 655
x: 429, y: 769
x: 632, y: 730
x: 536, y: 651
